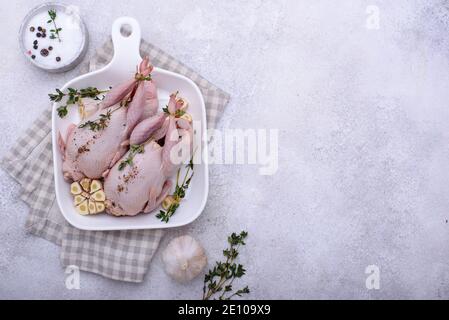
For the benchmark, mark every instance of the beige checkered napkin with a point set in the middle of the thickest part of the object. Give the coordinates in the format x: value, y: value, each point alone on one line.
x: 120, y: 255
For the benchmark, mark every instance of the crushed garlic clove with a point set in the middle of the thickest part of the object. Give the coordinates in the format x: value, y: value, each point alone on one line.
x: 187, y: 116
x: 81, y: 110
x: 167, y: 202
x: 87, y: 107
x: 185, y: 103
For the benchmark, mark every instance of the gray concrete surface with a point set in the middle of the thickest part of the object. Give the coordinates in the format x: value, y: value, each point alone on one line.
x: 363, y: 173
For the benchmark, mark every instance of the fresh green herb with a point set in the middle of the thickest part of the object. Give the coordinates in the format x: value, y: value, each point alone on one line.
x: 56, y: 97
x: 62, y: 111
x: 137, y: 148
x: 178, y: 113
x: 179, y: 194
x: 219, y: 280
x: 166, y: 215
x: 124, y: 163
x: 139, y: 77
x: 90, y: 92
x: 56, y: 30
x: 98, y: 124
x: 133, y: 150
x: 73, y: 97
x: 126, y: 101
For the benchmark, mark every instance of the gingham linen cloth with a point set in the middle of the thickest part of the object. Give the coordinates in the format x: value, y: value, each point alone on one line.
x: 119, y: 255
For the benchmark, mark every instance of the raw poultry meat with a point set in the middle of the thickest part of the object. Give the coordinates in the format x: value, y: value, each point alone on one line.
x: 142, y: 185
x: 93, y: 147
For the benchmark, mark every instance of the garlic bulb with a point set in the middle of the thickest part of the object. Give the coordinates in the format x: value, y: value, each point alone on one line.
x: 88, y: 196
x: 184, y: 258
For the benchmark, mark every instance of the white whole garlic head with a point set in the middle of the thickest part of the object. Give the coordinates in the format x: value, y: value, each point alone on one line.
x: 184, y: 258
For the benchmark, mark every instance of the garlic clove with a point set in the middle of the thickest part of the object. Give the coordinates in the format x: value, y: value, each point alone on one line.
x: 184, y: 103
x: 82, y: 208
x: 184, y: 258
x: 99, y: 206
x: 99, y: 196
x: 85, y: 184
x: 78, y: 199
x: 187, y: 116
x: 167, y: 202
x: 75, y: 188
x: 92, y: 207
x: 87, y: 107
x: 95, y: 186
x: 81, y: 110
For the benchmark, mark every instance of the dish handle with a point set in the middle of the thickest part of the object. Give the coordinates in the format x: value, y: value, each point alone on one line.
x: 126, y: 46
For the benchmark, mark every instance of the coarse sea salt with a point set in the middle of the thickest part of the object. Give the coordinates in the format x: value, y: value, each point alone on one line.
x: 48, y: 49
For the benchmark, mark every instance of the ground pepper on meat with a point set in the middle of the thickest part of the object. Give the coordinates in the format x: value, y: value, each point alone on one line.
x: 131, y: 175
x: 83, y: 149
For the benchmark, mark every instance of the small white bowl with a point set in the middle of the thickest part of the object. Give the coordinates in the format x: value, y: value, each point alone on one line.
x: 65, y: 64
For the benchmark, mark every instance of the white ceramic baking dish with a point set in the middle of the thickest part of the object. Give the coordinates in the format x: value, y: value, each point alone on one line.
x: 122, y: 67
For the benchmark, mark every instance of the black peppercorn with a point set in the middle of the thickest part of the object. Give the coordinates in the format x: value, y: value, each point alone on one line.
x: 44, y: 35
x: 58, y: 59
x: 50, y: 48
x: 38, y: 35
x: 39, y: 28
x: 32, y: 29
x: 35, y: 47
x: 33, y: 57
x: 35, y: 42
x: 44, y: 52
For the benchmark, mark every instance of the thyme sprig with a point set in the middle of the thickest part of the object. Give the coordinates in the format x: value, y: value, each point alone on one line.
x: 56, y: 30
x: 178, y: 113
x: 98, y: 124
x: 140, y: 77
x: 133, y: 150
x: 219, y: 280
x: 179, y: 194
x: 74, y: 96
